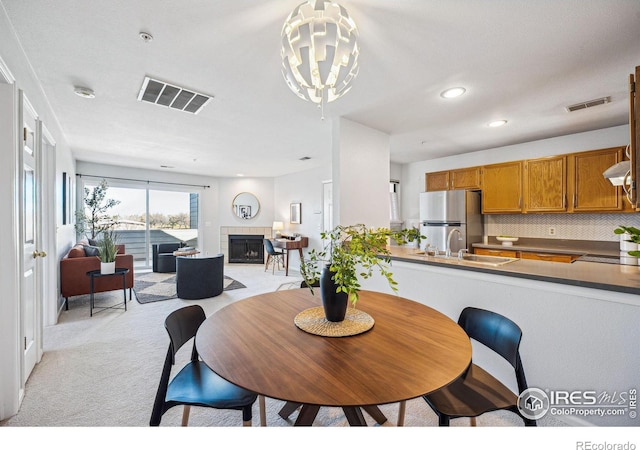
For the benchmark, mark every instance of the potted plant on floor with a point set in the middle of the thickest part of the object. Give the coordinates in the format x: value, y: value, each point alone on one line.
x: 352, y: 252
x: 108, y: 248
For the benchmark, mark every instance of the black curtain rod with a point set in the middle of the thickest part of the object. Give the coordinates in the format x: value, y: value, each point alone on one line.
x: 143, y: 181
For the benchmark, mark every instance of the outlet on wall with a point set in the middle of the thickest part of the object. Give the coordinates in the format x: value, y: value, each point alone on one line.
x: 552, y: 231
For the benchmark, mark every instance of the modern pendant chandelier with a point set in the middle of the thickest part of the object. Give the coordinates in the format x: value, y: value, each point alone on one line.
x: 319, y: 51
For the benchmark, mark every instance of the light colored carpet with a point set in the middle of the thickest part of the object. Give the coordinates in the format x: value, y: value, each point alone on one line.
x: 103, y: 371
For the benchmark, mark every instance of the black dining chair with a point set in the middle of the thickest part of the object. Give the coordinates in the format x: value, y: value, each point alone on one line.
x: 195, y: 384
x: 273, y: 256
x: 476, y: 391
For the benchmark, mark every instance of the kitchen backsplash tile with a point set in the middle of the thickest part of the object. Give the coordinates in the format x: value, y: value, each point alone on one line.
x: 589, y: 227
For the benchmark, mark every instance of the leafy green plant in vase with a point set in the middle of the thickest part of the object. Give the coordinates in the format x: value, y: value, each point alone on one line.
x: 634, y: 236
x: 108, y: 248
x: 352, y: 252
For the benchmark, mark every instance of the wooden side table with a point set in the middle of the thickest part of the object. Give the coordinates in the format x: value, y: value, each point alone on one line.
x: 93, y: 274
x: 193, y: 252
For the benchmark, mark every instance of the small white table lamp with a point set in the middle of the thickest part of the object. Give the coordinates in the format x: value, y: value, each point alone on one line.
x: 278, y: 227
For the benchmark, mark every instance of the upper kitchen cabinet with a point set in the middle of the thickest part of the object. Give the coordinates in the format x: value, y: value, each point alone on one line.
x: 589, y: 190
x: 437, y: 181
x: 545, y: 185
x: 502, y: 188
x: 467, y: 178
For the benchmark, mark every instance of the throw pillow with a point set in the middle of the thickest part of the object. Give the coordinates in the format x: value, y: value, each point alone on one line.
x: 93, y: 242
x: 91, y: 250
x: 77, y: 251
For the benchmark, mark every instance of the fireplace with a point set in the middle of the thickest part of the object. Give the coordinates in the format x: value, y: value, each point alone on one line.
x: 246, y: 248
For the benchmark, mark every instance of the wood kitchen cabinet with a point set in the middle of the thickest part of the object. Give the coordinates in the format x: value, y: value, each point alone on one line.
x: 538, y: 256
x: 496, y: 252
x: 437, y: 181
x: 589, y: 190
x: 545, y: 184
x: 467, y: 178
x: 553, y: 257
x: 502, y: 188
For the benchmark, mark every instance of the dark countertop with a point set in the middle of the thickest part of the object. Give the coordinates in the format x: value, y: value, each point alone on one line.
x: 608, y: 277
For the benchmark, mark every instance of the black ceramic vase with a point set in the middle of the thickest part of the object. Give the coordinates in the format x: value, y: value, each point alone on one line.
x: 334, y: 303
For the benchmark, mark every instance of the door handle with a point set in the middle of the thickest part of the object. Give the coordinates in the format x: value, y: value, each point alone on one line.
x: 40, y: 254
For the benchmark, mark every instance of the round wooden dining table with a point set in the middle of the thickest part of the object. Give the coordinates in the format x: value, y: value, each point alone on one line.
x: 411, y: 350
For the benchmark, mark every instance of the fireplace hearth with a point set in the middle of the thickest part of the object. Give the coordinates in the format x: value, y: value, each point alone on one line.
x: 246, y: 248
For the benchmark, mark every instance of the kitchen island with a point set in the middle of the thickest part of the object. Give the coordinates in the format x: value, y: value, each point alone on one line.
x: 580, y: 321
x: 608, y: 277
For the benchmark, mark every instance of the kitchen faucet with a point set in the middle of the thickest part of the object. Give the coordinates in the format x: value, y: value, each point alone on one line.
x: 447, y: 252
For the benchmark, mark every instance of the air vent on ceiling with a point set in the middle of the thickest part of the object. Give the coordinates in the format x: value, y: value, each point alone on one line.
x: 172, y: 96
x: 589, y: 104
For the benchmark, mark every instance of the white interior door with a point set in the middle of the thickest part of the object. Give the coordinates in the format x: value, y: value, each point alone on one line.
x: 30, y: 291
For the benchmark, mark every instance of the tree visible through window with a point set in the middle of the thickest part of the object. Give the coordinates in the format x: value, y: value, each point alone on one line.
x: 145, y: 216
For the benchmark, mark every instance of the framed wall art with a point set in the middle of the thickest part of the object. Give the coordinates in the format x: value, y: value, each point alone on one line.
x: 296, y: 213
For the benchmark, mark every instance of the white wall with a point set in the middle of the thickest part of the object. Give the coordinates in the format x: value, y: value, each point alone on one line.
x: 305, y: 188
x: 262, y: 188
x: 361, y: 174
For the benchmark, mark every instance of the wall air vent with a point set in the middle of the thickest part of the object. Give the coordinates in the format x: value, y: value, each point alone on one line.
x: 172, y: 96
x: 589, y: 104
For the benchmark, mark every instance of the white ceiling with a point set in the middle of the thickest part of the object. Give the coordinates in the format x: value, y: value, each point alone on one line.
x: 521, y: 60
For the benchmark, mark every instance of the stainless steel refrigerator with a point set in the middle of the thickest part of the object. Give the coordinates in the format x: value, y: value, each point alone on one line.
x: 443, y: 211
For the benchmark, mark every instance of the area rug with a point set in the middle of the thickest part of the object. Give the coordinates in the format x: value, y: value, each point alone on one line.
x: 154, y: 287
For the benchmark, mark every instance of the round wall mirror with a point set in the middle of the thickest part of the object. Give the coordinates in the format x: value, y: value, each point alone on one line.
x: 245, y: 205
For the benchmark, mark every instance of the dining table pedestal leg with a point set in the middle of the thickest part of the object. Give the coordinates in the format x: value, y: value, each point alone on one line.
x: 307, y: 415
x: 288, y: 409
x: 354, y: 415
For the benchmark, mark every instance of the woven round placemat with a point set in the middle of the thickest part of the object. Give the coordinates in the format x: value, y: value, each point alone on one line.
x: 313, y: 321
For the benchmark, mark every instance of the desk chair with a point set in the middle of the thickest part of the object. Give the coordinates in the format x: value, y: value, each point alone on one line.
x: 273, y: 256
x: 195, y: 384
x: 477, y: 392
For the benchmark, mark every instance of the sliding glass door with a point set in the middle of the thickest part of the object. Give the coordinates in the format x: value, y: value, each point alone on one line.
x: 145, y: 216
x: 173, y: 217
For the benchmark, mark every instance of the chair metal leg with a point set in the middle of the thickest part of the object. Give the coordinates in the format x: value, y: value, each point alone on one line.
x: 185, y: 415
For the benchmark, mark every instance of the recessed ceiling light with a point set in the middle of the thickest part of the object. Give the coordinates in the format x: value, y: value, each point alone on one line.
x: 453, y: 92
x: 240, y: 175
x: 84, y: 92
x: 145, y: 36
x: 497, y: 123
